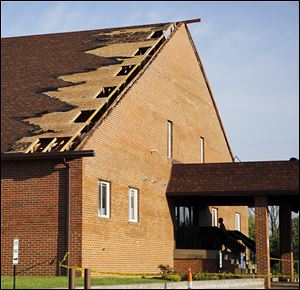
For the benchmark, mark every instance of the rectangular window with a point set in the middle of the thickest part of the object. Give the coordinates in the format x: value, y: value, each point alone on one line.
x: 201, y: 150
x: 104, y: 198
x: 132, y: 204
x: 214, y: 217
x: 170, y: 139
x: 237, y: 222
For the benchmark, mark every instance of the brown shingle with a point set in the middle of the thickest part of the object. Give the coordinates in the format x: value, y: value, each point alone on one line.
x: 243, y: 177
x: 31, y: 65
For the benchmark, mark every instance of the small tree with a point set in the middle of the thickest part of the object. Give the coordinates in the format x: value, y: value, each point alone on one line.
x: 251, y: 227
x: 295, y: 241
x: 273, y: 213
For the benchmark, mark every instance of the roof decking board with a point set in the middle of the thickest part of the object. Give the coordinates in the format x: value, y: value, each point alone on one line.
x: 87, y: 84
x: 91, y: 79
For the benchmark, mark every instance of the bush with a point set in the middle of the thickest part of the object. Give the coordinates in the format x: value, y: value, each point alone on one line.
x: 173, y: 277
x: 169, y: 273
x: 205, y: 276
x: 165, y: 270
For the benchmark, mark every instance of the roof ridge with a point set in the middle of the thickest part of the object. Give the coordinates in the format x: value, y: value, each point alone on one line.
x: 108, y: 29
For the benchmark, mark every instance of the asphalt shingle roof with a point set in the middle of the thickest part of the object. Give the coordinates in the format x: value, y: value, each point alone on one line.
x: 33, y: 65
x: 234, y: 178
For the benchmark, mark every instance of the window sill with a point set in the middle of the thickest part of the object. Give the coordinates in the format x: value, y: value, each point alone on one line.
x: 104, y: 218
x: 134, y: 223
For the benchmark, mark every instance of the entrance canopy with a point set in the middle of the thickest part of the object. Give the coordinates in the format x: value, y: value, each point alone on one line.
x: 237, y: 183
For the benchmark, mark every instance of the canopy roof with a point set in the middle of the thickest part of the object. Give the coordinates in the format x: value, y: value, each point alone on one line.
x: 237, y: 183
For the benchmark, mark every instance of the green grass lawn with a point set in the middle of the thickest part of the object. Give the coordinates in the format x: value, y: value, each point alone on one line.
x: 39, y: 282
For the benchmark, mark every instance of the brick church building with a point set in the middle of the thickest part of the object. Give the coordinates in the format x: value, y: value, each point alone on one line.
x: 94, y: 128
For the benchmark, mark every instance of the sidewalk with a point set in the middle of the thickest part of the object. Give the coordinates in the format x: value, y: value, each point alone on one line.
x: 253, y: 283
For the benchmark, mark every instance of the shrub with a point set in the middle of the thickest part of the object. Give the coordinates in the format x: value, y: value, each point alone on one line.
x: 205, y: 276
x: 169, y: 273
x: 165, y: 270
x: 173, y: 277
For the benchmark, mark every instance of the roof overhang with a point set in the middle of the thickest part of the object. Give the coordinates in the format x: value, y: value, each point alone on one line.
x: 48, y: 156
x: 236, y: 183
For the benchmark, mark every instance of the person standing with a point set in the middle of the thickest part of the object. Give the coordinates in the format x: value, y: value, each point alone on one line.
x: 223, y: 229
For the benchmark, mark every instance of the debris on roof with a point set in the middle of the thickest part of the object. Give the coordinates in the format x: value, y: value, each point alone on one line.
x: 64, y: 82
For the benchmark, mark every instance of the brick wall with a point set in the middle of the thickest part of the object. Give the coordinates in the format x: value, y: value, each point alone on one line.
x: 286, y: 254
x: 172, y: 88
x: 33, y: 194
x: 262, y: 238
x: 33, y: 209
x: 197, y: 265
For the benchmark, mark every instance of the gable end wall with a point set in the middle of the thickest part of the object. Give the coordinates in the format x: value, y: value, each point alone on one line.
x: 131, y: 150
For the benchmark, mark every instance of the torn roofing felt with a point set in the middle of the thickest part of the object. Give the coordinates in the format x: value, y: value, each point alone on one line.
x: 50, y: 81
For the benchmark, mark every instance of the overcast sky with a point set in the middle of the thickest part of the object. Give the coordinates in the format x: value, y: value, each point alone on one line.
x: 250, y: 51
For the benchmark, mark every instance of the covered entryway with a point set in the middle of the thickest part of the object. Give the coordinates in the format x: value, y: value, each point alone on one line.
x: 252, y: 184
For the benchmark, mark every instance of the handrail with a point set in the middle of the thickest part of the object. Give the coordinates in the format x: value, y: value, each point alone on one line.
x: 246, y: 240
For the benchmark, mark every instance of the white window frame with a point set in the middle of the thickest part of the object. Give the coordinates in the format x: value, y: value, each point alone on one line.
x: 237, y: 221
x: 135, y: 193
x: 214, y: 217
x: 201, y: 149
x: 100, y: 194
x: 170, y: 139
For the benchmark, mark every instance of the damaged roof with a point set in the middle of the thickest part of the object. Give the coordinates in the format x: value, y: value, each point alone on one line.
x: 56, y: 87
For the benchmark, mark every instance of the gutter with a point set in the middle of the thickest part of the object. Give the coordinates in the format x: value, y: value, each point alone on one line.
x: 68, y: 226
x: 46, y: 156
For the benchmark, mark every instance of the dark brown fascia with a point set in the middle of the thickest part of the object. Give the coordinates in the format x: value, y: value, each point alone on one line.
x: 51, y: 155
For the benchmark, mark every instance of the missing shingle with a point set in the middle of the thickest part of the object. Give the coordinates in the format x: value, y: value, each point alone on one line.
x: 125, y: 70
x: 84, y: 116
x: 156, y: 34
x: 142, y: 50
x: 105, y: 92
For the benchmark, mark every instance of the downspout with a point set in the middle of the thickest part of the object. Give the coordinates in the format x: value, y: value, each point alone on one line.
x: 68, y: 211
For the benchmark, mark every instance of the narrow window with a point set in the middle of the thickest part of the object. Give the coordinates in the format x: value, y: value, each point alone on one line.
x: 104, y: 197
x: 125, y: 70
x: 105, y: 92
x: 201, y: 150
x: 237, y: 222
x: 132, y: 204
x: 84, y: 116
x: 214, y: 217
x: 170, y: 139
x: 142, y: 50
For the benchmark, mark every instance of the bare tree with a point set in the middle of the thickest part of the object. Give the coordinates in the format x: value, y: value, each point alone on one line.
x: 273, y: 212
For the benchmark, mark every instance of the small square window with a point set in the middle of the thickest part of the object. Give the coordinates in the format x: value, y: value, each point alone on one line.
x: 132, y: 205
x: 104, y: 199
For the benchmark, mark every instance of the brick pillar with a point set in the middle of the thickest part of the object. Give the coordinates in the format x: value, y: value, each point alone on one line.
x: 285, y: 226
x: 76, y: 213
x: 262, y: 239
